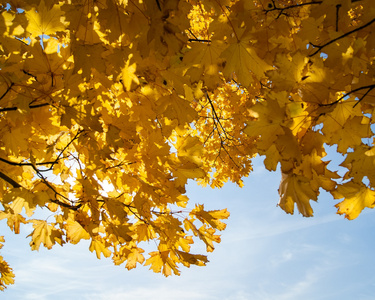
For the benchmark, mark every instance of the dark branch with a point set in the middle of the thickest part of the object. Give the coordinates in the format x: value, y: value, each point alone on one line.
x: 6, y: 92
x: 192, y: 34
x: 9, y: 180
x: 217, y: 124
x: 216, y: 118
x: 17, y: 185
x: 158, y: 4
x: 320, y: 47
x: 199, y: 40
x: 337, y: 16
x: 31, y: 75
x: 368, y: 87
x: 66, y: 147
x: 121, y: 164
x: 43, y: 178
x: 30, y: 106
x: 282, y: 9
x: 63, y: 204
x: 364, y: 95
x: 135, y: 214
x: 12, y: 163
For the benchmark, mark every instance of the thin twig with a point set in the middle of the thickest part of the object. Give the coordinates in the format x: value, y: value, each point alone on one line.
x: 281, y: 9
x: 320, y: 47
x: 30, y: 106
x: 217, y: 118
x: 363, y: 96
x: 369, y: 87
x: 337, y: 16
x: 20, y: 164
x: 199, y: 40
x: 6, y: 92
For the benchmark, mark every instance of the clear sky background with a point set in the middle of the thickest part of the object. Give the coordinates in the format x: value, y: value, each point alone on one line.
x: 264, y: 254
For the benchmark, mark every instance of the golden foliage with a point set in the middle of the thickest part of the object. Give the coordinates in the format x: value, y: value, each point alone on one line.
x: 108, y: 108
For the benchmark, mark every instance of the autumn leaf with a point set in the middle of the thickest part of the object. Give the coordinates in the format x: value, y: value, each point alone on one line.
x: 241, y: 59
x: 356, y: 198
x: 160, y: 262
x: 45, y: 234
x: 7, y: 275
x: 193, y: 259
x: 99, y: 247
x: 44, y: 21
x: 268, y: 123
x: 134, y: 257
x: 128, y: 74
x: 296, y: 189
x: 75, y: 232
x: 211, y: 218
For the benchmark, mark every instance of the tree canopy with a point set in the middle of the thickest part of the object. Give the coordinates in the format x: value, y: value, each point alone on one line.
x: 109, y: 107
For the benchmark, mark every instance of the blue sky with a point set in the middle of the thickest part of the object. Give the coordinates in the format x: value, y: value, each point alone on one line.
x: 264, y: 254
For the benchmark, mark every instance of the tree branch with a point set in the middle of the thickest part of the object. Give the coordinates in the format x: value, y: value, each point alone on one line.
x: 40, y: 175
x: 6, y: 92
x: 369, y: 87
x: 30, y: 106
x: 337, y: 16
x: 17, y: 185
x: 217, y: 124
x: 12, y: 163
x: 199, y: 40
x: 9, y: 180
x: 320, y: 47
x: 272, y: 7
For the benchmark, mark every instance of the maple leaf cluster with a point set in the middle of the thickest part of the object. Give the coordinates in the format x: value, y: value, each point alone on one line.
x: 108, y: 108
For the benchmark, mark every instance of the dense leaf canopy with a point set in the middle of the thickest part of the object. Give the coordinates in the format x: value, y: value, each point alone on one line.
x: 109, y: 107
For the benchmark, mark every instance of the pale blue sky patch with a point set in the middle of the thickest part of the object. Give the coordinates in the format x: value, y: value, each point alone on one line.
x: 265, y: 254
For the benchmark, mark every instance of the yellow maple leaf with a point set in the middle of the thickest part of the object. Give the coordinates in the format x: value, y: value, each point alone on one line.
x: 341, y: 113
x: 134, y: 257
x: 45, y: 234
x: 16, y: 140
x: 128, y: 74
x: 192, y: 259
x: 20, y: 198
x: 351, y: 134
x: 211, y: 217
x: 272, y: 158
x: 6, y: 272
x: 241, y: 58
x: 176, y: 108
x: 268, y: 123
x: 159, y: 261
x: 155, y: 261
x: 75, y: 232
x: 13, y: 221
x: 190, y: 148
x: 187, y: 171
x: 357, y: 197
x: 289, y: 70
x: 44, y: 21
x: 99, y: 247
x: 296, y: 189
